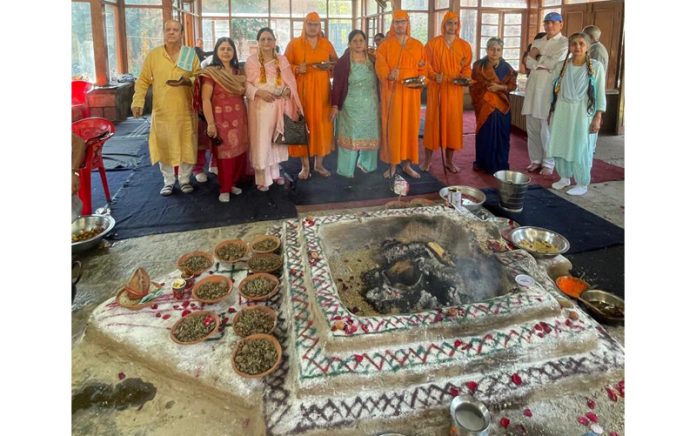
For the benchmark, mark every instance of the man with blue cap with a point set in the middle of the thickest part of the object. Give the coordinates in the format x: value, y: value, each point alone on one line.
x: 545, y: 53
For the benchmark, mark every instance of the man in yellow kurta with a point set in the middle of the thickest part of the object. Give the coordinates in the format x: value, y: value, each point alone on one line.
x: 173, y: 141
x: 305, y: 54
x: 400, y: 57
x: 449, y: 57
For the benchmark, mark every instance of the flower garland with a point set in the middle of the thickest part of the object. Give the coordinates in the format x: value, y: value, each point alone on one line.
x: 278, y: 79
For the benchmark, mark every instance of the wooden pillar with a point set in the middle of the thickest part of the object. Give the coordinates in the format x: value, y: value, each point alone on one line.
x: 533, y: 21
x: 166, y: 10
x: 121, y: 44
x: 101, y: 59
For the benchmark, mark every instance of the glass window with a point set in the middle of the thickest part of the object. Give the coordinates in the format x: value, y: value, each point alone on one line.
x: 468, y: 28
x: 301, y: 8
x: 414, y: 5
x: 504, y: 4
x: 280, y: 7
x: 250, y: 7
x: 338, y: 34
x: 439, y: 15
x: 387, y: 22
x: 487, y: 18
x: 472, y: 3
x: 442, y: 4
x: 281, y: 28
x: 144, y: 29
x: 144, y: 2
x: 419, y: 25
x: 215, y: 6
x: 82, y: 44
x: 513, y: 19
x: 341, y: 8
x: 208, y: 37
x: 110, y: 24
x: 244, y: 34
x: 512, y: 30
x: 488, y: 31
x: 371, y: 7
x: 545, y: 3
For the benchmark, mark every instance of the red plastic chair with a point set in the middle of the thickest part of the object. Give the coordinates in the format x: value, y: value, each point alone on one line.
x: 95, y: 132
x: 80, y: 88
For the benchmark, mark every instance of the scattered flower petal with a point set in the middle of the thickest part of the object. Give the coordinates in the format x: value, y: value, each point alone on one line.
x: 185, y: 312
x: 359, y: 358
x: 231, y: 310
x: 583, y: 420
x: 121, y: 375
x: 153, y: 306
x: 472, y: 386
x: 516, y: 379
x: 527, y: 412
x: 458, y: 343
x: 185, y: 303
x: 611, y: 394
x: 504, y: 422
x: 592, y: 416
x: 591, y: 403
x: 454, y: 392
x: 166, y: 316
x: 158, y: 315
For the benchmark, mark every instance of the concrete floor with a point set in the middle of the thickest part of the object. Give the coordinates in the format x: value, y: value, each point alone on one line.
x: 171, y: 411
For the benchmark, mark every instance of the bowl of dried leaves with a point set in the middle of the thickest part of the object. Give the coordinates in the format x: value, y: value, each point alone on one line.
x: 194, y: 327
x: 259, y: 286
x: 255, y: 319
x: 194, y: 262
x: 265, y: 244
x: 212, y: 289
x: 266, y: 262
x: 257, y: 356
x: 231, y: 251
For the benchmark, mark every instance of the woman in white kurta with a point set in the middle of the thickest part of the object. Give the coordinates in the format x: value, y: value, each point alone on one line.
x: 271, y: 92
x: 579, y: 101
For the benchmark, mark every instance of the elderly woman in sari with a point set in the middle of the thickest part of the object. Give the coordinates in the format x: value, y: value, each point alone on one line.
x: 222, y: 94
x: 354, y: 100
x: 490, y: 94
x: 272, y: 92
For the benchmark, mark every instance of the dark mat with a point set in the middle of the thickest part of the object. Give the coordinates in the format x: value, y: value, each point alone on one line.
x: 124, y: 152
x: 133, y: 127
x: 603, y: 268
x: 584, y: 230
x: 116, y: 180
x: 371, y: 186
x: 140, y: 210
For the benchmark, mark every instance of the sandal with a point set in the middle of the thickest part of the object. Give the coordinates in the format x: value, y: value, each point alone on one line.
x: 304, y: 174
x: 167, y: 190
x: 262, y: 188
x: 546, y: 171
x: 186, y: 188
x: 533, y: 168
x: 322, y: 171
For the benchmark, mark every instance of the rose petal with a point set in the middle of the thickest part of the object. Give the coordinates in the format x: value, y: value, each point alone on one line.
x: 592, y: 416
x: 185, y: 312
x: 611, y: 394
x: 516, y: 379
x: 590, y: 403
x: 154, y: 306
x: 158, y: 315
x: 454, y: 392
x: 166, y: 316
x: 613, y: 433
x: 583, y: 420
x: 527, y: 412
x: 186, y: 303
x: 121, y: 375
x: 504, y: 422
x: 472, y: 386
x: 458, y: 343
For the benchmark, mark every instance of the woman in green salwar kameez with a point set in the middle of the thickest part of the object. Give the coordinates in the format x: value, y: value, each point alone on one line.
x: 356, y: 105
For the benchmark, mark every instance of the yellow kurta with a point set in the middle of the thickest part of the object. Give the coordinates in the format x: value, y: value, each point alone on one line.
x: 443, y: 124
x: 173, y: 137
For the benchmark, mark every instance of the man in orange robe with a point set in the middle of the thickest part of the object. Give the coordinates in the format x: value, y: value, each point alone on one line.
x: 448, y: 57
x: 400, y: 57
x: 304, y: 54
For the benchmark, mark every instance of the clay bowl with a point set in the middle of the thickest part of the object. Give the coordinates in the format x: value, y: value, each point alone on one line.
x: 236, y: 242
x: 572, y: 286
x: 270, y: 338
x: 274, y: 244
x: 271, y: 277
x: 277, y: 261
x: 265, y: 309
x: 191, y: 316
x: 180, y: 262
x: 124, y: 300
x: 212, y: 279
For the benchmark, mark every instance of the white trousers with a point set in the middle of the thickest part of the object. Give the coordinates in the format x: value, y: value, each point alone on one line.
x: 266, y: 176
x: 170, y: 178
x: 538, y: 134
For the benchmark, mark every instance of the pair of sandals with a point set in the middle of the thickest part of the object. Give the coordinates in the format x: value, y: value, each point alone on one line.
x: 306, y: 175
x: 534, y: 167
x: 280, y: 181
x: 168, y: 190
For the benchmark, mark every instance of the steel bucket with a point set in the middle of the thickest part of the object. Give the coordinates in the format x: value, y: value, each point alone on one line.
x: 512, y: 186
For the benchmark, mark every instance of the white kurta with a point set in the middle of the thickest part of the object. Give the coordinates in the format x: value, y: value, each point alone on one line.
x: 538, y: 95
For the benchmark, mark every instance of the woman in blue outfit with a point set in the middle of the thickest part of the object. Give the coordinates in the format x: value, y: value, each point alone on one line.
x: 578, y: 103
x: 490, y: 95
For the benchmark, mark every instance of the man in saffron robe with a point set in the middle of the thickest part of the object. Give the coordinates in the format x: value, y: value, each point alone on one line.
x: 305, y: 54
x: 400, y: 57
x: 173, y: 135
x: 448, y: 57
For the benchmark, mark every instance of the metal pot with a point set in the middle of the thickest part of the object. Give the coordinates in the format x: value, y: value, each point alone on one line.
x: 470, y: 417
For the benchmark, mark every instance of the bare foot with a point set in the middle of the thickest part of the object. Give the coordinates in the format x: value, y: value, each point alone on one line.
x: 425, y: 166
x: 546, y: 171
x: 533, y: 168
x: 304, y: 174
x: 452, y: 168
x: 411, y: 172
x: 389, y: 173
x: 322, y: 171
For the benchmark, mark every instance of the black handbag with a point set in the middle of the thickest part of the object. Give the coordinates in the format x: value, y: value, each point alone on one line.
x: 294, y: 132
